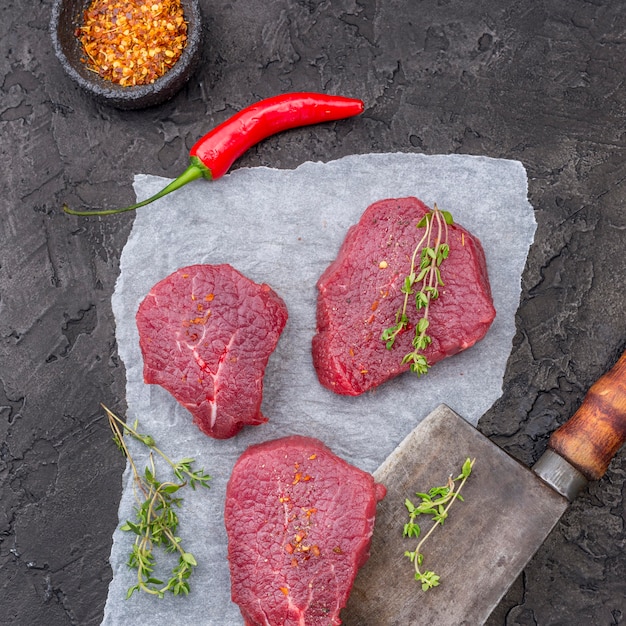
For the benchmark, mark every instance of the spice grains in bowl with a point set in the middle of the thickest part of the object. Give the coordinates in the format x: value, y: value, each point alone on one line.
x: 132, y: 42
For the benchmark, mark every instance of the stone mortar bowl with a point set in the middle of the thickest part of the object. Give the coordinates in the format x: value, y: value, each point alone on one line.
x: 67, y: 16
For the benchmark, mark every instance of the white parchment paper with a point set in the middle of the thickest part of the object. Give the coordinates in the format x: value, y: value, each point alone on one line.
x: 284, y: 227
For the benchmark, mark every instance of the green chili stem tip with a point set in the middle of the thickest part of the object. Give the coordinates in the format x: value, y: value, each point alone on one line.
x: 195, y: 170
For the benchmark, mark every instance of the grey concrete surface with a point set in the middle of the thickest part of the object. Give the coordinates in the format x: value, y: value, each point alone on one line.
x: 541, y: 82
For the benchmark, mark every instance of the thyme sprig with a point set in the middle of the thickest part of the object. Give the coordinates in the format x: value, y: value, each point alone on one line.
x: 423, y: 282
x: 436, y: 502
x: 156, y: 522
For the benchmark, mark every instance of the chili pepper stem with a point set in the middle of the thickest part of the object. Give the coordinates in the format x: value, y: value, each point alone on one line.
x: 195, y: 170
x: 213, y: 154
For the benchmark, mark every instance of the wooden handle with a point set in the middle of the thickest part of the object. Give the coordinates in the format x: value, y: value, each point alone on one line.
x: 595, y: 433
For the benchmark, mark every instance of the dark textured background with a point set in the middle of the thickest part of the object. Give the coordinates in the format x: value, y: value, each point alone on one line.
x: 537, y: 81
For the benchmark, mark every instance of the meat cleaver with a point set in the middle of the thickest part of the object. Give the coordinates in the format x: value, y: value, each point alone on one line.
x: 506, y: 513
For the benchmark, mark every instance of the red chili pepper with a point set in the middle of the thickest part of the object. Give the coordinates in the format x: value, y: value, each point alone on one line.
x: 213, y: 154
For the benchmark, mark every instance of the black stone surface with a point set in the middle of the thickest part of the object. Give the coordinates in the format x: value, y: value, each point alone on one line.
x: 541, y: 82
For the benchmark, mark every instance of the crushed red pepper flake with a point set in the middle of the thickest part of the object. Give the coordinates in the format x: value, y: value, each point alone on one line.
x: 201, y: 320
x: 297, y: 545
x: 196, y: 321
x: 132, y: 42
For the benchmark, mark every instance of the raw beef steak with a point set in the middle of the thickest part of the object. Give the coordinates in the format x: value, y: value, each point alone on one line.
x: 359, y: 295
x: 299, y: 521
x: 206, y: 333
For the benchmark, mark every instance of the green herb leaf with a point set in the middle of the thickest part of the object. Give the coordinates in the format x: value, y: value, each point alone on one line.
x: 423, y: 223
x: 427, y: 257
x: 156, y: 521
x: 467, y: 469
x: 436, y: 503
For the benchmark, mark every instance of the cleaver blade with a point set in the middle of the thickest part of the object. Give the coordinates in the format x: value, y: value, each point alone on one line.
x: 506, y: 513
